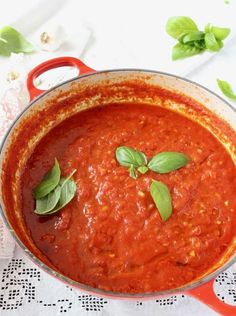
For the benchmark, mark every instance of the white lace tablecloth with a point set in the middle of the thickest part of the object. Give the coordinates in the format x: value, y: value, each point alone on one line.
x: 25, y: 289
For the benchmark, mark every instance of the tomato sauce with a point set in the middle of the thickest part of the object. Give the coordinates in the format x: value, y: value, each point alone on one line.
x: 110, y: 235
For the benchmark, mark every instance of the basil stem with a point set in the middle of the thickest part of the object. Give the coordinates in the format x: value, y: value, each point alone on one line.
x: 132, y: 172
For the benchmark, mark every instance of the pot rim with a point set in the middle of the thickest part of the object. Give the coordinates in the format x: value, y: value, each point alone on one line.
x: 81, y: 286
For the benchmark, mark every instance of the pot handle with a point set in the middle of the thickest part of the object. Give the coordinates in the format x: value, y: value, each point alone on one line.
x: 50, y: 64
x: 205, y: 293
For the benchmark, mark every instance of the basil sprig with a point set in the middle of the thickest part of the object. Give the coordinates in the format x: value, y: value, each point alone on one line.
x: 191, y: 41
x: 134, y: 159
x: 165, y: 162
x: 162, y: 198
x: 53, y: 193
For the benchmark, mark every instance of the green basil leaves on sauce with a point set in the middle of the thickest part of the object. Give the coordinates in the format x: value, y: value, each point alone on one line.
x: 128, y: 156
x: 68, y: 189
x: 134, y: 159
x: 49, y: 202
x: 49, y: 182
x: 54, y: 192
x: 165, y: 162
x: 162, y: 198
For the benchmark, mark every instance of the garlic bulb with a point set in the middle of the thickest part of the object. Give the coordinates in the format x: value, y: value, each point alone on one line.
x: 51, y: 38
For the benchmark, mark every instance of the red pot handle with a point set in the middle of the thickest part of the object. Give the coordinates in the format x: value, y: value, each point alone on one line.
x: 205, y: 293
x: 50, y: 64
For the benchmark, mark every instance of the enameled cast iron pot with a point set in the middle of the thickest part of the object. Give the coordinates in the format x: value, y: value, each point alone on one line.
x: 95, y: 88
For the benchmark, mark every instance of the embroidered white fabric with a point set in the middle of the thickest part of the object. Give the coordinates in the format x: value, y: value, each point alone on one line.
x: 7, y: 243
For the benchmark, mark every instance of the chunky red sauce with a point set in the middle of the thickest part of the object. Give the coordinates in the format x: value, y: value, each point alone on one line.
x: 111, y: 236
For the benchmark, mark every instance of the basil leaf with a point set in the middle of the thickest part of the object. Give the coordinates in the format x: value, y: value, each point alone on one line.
x: 220, y: 43
x: 49, y: 202
x: 127, y: 156
x: 143, y: 169
x: 211, y: 42
x: 162, y: 198
x: 68, y: 190
x: 176, y: 26
x: 192, y: 37
x: 57, y: 198
x: 49, y: 182
x: 208, y: 28
x: 226, y: 89
x: 220, y: 33
x: 184, y: 50
x: 168, y: 161
x: 11, y: 41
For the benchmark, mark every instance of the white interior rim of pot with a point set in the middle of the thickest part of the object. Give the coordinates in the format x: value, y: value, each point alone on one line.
x: 85, y: 287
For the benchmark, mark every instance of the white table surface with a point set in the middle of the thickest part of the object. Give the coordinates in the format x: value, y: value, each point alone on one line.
x: 126, y: 34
